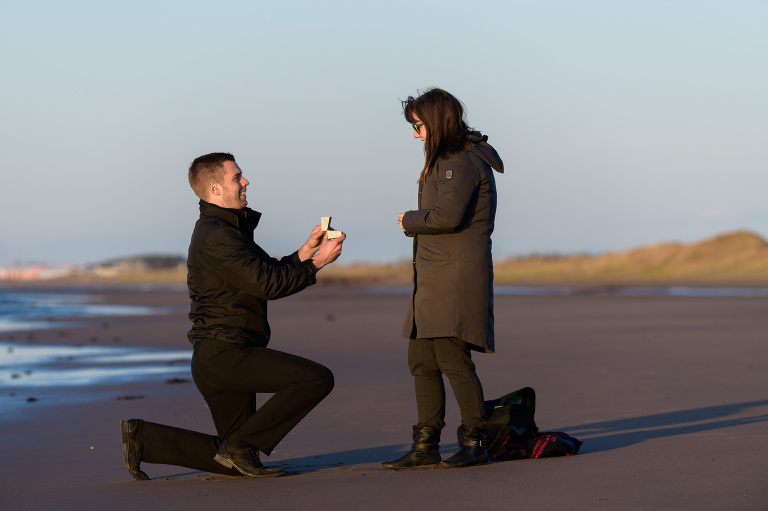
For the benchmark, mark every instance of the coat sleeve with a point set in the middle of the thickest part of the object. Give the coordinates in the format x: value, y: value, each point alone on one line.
x: 255, y: 274
x: 455, y: 189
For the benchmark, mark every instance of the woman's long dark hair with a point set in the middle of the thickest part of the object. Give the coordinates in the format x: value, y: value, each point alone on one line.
x: 443, y: 118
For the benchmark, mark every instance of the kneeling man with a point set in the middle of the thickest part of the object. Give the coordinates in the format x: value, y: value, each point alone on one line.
x: 230, y: 279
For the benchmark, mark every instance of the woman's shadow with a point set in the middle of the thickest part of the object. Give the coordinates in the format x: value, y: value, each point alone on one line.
x: 615, y: 434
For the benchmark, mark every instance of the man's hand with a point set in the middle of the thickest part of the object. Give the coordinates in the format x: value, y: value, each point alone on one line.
x: 309, y: 248
x: 329, y: 251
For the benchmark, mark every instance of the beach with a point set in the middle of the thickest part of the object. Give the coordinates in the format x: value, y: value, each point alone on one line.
x: 666, y: 391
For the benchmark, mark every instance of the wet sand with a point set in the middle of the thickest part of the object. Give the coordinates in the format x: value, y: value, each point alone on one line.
x: 667, y: 393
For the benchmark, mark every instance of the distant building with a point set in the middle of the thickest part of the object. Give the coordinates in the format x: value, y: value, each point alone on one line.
x: 108, y: 269
x: 36, y: 272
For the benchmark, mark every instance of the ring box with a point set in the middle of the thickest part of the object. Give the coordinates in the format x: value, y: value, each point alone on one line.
x: 325, y: 224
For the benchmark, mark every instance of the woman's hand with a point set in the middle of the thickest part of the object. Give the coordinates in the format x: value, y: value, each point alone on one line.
x: 400, y: 219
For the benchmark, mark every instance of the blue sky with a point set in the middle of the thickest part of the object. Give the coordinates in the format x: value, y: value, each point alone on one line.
x: 620, y: 123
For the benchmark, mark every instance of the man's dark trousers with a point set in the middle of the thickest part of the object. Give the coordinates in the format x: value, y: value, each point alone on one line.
x: 167, y: 445
x: 229, y: 374
x: 299, y: 385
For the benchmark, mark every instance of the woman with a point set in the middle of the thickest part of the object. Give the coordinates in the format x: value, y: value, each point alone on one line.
x: 451, y: 309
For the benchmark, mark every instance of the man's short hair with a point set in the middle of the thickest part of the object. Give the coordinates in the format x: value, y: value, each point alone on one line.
x: 207, y: 169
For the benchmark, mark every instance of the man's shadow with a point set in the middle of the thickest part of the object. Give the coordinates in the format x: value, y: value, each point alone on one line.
x: 348, y: 459
x: 334, y: 460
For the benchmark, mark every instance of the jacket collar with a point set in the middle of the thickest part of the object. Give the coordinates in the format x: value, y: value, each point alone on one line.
x: 244, y: 219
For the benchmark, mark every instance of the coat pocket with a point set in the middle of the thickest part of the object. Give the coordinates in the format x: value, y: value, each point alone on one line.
x: 427, y: 251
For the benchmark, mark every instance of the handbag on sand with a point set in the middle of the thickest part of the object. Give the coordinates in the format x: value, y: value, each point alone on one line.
x: 513, y: 434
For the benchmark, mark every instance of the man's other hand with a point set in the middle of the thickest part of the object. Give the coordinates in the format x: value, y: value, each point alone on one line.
x: 329, y: 251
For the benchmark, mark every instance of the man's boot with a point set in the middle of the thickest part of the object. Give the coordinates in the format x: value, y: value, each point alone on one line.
x: 246, y: 461
x: 472, y: 448
x: 424, y: 451
x: 132, y: 436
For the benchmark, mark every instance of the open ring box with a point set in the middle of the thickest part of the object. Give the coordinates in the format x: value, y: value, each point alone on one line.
x: 325, y: 223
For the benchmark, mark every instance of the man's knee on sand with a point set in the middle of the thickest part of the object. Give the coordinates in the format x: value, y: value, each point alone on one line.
x: 314, y: 380
x: 324, y: 382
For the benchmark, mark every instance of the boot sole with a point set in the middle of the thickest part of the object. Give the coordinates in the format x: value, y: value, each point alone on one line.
x: 227, y: 463
x: 417, y: 467
x: 444, y: 465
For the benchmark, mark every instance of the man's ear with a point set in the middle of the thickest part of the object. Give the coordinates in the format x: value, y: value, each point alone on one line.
x: 213, y: 189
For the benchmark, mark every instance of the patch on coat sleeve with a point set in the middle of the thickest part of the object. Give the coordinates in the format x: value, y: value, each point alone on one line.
x: 448, y: 174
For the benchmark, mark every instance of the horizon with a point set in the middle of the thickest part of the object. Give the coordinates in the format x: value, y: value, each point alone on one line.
x: 405, y: 260
x: 620, y: 125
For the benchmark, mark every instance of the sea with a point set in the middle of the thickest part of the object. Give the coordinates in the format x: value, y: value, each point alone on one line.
x: 29, y: 370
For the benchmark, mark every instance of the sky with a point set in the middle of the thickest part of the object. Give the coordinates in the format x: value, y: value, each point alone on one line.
x: 620, y: 123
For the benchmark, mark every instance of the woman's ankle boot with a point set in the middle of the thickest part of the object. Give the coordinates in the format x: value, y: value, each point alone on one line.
x: 472, y: 448
x: 424, y: 451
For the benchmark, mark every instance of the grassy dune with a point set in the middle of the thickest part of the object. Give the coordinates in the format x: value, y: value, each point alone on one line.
x: 737, y: 257
x: 734, y: 257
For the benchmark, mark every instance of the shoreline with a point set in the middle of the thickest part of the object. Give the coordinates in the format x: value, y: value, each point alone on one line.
x: 181, y: 286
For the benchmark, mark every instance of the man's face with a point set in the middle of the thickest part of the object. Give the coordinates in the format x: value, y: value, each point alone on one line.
x: 233, y: 186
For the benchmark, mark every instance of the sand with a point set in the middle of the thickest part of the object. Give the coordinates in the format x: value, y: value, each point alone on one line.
x: 667, y: 393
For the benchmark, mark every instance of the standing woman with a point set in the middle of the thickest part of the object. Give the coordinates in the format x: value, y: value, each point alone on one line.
x: 451, y: 309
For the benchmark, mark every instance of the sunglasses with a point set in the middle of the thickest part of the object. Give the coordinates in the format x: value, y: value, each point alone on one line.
x: 417, y: 126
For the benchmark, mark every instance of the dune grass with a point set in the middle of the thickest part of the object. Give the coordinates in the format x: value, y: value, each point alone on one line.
x: 736, y: 257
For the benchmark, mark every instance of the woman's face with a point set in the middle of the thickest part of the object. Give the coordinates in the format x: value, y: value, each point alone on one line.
x: 419, y: 130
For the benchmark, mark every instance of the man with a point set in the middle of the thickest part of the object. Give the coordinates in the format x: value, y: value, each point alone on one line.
x: 230, y: 279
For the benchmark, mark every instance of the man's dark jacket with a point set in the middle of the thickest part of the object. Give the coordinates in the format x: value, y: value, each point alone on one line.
x: 230, y: 278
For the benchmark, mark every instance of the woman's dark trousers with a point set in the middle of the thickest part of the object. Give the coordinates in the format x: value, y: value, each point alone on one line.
x: 428, y: 360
